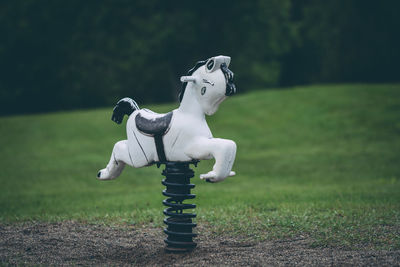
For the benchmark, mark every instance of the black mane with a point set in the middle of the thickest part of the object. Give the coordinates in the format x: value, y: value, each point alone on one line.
x: 190, y: 72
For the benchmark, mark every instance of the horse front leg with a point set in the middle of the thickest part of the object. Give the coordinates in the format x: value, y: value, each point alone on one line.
x: 222, y: 150
x: 119, y: 158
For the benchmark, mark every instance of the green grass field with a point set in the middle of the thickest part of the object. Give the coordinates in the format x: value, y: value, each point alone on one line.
x: 321, y: 161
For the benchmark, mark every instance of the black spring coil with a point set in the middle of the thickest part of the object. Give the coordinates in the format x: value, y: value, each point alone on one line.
x: 180, y: 224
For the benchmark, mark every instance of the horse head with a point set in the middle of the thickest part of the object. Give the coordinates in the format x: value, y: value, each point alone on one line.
x: 212, y: 82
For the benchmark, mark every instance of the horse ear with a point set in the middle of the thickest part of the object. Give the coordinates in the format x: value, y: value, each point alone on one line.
x: 227, y: 60
x: 214, y: 63
x: 210, y: 65
x: 223, y: 59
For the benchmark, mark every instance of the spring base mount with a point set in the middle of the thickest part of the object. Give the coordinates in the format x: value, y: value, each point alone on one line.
x: 179, y: 223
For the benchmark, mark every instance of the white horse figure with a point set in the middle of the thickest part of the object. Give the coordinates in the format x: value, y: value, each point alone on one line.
x: 181, y: 135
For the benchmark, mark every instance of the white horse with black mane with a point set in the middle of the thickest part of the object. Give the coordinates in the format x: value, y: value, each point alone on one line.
x: 181, y: 135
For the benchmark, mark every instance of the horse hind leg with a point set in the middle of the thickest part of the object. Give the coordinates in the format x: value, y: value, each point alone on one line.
x: 119, y: 158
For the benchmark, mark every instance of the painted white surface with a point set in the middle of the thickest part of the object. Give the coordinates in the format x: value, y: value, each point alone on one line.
x: 189, y: 137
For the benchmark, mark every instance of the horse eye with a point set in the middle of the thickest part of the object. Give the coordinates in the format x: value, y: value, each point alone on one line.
x: 203, y: 90
x: 210, y: 64
x: 207, y: 81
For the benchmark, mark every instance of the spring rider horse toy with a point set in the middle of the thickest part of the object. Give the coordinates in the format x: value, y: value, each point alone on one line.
x: 177, y: 139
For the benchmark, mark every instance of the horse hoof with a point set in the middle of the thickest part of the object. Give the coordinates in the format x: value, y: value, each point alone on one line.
x: 105, y: 175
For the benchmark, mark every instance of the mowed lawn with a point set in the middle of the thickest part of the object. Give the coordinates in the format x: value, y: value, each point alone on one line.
x: 319, y: 161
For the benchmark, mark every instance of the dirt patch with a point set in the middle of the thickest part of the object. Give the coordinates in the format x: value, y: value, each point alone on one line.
x: 71, y: 243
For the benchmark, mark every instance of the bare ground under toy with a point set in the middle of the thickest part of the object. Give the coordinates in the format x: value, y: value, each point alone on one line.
x: 72, y: 243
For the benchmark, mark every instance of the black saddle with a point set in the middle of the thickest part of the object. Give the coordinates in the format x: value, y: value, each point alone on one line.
x: 156, y: 128
x: 153, y: 127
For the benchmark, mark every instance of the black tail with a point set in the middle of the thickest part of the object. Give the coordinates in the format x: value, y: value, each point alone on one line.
x: 126, y: 106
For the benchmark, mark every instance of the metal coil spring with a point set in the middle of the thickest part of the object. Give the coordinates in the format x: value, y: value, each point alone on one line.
x: 180, y: 224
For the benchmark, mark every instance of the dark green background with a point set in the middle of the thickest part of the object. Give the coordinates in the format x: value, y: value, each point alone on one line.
x: 58, y: 55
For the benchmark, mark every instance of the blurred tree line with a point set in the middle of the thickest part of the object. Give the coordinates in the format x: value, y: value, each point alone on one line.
x: 57, y: 55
